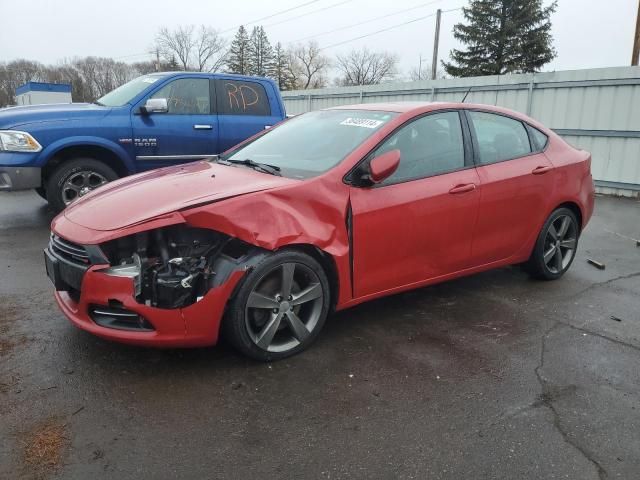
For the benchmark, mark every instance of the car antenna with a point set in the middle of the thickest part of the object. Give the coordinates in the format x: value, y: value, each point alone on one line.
x: 465, y: 95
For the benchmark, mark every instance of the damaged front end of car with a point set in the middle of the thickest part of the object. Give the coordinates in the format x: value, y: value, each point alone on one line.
x: 175, y: 266
x: 165, y: 286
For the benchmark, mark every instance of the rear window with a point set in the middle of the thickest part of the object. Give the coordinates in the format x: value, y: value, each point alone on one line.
x: 499, y: 138
x: 539, y: 139
x: 242, y: 98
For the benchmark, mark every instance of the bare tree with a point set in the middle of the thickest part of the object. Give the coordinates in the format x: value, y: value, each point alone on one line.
x: 364, y: 67
x: 201, y: 49
x: 309, y: 66
x: 210, y: 49
x: 424, y: 73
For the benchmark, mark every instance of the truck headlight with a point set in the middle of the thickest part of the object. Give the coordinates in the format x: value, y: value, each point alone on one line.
x: 15, y: 141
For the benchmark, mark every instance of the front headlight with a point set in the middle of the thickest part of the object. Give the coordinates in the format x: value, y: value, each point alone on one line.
x: 15, y: 141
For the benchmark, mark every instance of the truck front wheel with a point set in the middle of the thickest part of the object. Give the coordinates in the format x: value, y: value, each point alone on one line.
x: 75, y: 178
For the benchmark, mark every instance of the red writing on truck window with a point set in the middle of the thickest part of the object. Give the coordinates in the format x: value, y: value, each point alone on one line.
x: 241, y: 97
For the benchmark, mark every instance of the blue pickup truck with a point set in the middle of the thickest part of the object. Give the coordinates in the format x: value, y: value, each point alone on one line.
x: 65, y: 150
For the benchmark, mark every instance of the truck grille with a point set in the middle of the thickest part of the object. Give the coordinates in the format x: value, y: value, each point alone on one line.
x: 70, y: 251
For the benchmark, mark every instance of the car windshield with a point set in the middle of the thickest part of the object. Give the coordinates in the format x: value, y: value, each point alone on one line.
x: 125, y: 93
x: 312, y: 143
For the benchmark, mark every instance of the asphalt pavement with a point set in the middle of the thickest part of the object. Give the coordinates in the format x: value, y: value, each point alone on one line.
x: 495, y: 376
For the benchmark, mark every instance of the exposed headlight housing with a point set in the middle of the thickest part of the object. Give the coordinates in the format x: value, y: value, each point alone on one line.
x: 16, y: 141
x: 128, y: 270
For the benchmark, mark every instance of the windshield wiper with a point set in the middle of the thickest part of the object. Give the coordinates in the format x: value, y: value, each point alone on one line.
x: 264, y: 167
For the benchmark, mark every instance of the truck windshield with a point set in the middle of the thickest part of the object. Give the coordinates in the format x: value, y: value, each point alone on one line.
x: 312, y: 143
x: 125, y: 93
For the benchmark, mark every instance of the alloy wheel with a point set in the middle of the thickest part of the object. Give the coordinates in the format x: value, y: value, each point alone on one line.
x: 80, y: 183
x: 560, y: 243
x: 284, y: 307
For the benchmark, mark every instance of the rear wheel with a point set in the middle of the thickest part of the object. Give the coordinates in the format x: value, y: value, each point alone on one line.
x: 74, y: 179
x: 279, y: 308
x: 556, y: 246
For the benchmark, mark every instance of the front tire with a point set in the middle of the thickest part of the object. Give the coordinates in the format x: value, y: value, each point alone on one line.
x: 556, y: 246
x: 75, y: 178
x: 279, y: 308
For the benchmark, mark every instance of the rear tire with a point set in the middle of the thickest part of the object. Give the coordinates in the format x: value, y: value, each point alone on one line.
x: 74, y: 178
x: 556, y: 246
x: 279, y: 308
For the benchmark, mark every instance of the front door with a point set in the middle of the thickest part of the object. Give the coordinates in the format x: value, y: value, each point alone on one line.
x: 187, y: 132
x: 417, y: 224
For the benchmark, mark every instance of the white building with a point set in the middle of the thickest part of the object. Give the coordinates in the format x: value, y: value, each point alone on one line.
x: 37, y: 93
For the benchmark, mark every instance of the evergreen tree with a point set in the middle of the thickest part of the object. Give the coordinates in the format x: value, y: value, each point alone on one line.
x: 238, y: 56
x: 503, y: 36
x: 260, y: 53
x: 172, y: 64
x: 282, y: 71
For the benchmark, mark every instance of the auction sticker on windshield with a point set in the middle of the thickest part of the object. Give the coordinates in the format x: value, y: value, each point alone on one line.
x: 362, y: 122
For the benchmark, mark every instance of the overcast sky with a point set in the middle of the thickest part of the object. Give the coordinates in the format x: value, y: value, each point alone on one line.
x: 587, y: 33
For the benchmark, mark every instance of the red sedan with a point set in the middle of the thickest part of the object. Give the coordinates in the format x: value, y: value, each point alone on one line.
x: 327, y: 210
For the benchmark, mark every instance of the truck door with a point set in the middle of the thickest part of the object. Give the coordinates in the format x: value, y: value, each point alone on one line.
x: 245, y: 108
x: 187, y: 131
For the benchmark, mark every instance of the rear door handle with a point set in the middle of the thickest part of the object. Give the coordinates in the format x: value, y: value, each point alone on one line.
x: 540, y: 170
x: 202, y: 127
x: 468, y: 187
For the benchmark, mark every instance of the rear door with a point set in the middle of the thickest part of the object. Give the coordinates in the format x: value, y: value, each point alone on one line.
x: 187, y: 132
x: 417, y: 224
x: 515, y: 186
x: 245, y: 108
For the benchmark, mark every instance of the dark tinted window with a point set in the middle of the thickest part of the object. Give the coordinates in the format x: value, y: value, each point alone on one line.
x: 242, y: 98
x: 499, y: 137
x: 428, y: 146
x: 539, y: 139
x: 186, y: 96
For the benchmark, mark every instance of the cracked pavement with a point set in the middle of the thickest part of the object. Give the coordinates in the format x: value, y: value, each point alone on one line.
x: 495, y: 376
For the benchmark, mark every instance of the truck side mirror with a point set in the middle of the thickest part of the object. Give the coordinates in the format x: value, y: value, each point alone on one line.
x: 155, y: 105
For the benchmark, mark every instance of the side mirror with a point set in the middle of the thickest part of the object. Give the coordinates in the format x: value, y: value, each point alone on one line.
x: 155, y: 105
x: 383, y: 166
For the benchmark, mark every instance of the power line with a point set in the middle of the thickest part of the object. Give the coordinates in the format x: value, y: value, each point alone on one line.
x: 387, y: 29
x: 272, y: 15
x: 368, y: 21
x: 309, y: 13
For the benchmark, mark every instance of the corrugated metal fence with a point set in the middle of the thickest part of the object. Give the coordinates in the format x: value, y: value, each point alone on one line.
x: 596, y: 109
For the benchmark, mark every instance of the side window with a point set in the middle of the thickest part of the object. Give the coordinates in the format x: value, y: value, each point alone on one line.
x: 430, y: 145
x: 242, y: 98
x: 499, y: 137
x: 538, y: 139
x: 186, y: 96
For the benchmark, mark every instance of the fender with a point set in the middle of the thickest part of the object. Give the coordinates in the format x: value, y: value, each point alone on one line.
x: 80, y: 141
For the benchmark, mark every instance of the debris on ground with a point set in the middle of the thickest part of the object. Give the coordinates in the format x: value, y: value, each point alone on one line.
x: 617, y: 319
x: 44, y: 446
x: 595, y: 263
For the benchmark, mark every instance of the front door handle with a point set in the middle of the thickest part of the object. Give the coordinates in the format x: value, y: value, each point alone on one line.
x: 540, y: 170
x: 467, y: 187
x: 202, y: 127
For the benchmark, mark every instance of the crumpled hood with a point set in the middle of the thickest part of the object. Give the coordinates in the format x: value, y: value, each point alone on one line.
x: 16, y: 116
x: 142, y: 197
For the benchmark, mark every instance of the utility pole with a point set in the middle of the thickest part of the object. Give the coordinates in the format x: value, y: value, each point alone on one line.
x: 420, y: 68
x: 434, y: 62
x: 157, y: 59
x: 636, y: 40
